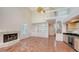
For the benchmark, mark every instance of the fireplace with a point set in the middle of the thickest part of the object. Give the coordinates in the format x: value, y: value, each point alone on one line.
x: 10, y: 37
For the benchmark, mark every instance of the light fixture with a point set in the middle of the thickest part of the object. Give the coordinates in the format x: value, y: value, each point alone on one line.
x: 40, y: 10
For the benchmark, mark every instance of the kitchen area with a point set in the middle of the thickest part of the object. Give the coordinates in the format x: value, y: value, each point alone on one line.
x: 71, y: 36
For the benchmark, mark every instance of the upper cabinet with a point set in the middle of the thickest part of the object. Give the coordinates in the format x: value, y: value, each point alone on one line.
x: 71, y: 27
x: 73, y: 24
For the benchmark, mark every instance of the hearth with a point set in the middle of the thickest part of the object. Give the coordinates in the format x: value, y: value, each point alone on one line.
x: 10, y: 37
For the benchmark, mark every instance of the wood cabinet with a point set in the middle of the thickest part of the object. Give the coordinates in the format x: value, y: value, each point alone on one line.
x: 76, y: 43
x: 71, y: 26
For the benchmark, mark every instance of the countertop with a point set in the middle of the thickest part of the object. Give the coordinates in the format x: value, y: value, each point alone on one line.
x: 73, y: 34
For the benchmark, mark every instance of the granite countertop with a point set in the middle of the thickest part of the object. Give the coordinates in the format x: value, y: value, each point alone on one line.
x: 73, y: 34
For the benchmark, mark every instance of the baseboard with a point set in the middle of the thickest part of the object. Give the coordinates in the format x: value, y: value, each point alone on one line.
x: 38, y: 37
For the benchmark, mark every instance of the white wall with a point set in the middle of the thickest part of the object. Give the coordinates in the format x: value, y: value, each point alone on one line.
x: 51, y: 29
x: 38, y: 17
x: 42, y: 17
x: 74, y: 11
x: 11, y: 19
x: 40, y: 30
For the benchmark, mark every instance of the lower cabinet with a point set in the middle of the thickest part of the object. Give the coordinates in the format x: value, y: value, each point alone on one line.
x: 65, y: 39
x: 76, y: 43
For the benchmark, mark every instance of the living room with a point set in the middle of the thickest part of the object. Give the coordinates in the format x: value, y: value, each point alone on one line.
x: 33, y: 29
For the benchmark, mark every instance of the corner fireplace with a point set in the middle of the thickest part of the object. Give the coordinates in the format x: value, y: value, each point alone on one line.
x: 10, y: 37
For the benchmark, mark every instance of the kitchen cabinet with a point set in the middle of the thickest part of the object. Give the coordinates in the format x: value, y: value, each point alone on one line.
x: 76, y: 43
x: 65, y: 39
x: 72, y: 40
x: 71, y: 26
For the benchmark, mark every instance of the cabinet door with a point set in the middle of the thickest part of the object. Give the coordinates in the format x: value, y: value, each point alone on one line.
x: 65, y: 39
x: 76, y: 44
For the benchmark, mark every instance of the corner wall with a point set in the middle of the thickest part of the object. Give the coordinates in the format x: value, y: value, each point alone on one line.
x: 11, y: 19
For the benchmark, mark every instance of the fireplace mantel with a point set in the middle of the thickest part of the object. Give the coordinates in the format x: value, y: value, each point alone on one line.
x: 2, y: 33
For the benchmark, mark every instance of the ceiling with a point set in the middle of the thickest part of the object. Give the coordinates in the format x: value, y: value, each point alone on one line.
x: 33, y: 9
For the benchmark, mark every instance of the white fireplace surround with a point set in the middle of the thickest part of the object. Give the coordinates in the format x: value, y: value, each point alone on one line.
x: 2, y: 44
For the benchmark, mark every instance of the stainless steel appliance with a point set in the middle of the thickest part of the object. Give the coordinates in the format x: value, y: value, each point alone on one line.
x: 71, y: 40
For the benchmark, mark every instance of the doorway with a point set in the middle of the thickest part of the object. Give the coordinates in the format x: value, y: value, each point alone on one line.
x: 51, y: 28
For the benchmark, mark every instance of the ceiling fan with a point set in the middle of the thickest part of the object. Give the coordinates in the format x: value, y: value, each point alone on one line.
x: 40, y: 10
x: 44, y: 9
